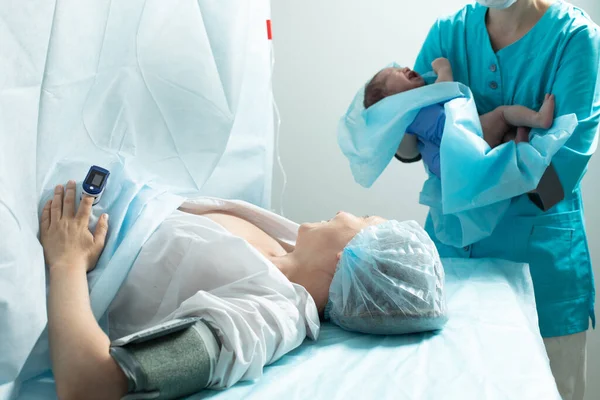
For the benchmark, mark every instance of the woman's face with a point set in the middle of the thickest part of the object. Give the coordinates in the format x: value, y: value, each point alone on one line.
x: 318, y: 248
x: 327, y: 239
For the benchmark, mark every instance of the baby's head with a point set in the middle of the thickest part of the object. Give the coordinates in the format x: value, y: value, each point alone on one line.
x: 390, y: 81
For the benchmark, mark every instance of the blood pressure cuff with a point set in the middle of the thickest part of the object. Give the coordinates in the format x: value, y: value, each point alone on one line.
x: 408, y: 151
x: 168, y: 361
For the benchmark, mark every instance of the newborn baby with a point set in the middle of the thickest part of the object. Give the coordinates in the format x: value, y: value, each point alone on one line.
x: 429, y: 123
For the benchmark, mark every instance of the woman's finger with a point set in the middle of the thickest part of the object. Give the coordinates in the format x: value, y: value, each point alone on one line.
x: 101, y: 231
x: 85, y: 208
x: 56, y: 208
x: 69, y: 200
x: 522, y: 135
x: 45, y: 220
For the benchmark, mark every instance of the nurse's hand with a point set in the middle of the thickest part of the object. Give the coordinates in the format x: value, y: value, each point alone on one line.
x: 64, y: 233
x: 520, y: 135
x: 495, y: 129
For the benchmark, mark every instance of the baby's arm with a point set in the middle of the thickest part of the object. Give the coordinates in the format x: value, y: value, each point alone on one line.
x: 523, y: 116
x: 443, y: 69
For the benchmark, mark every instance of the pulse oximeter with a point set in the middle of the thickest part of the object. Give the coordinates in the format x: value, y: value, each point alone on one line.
x: 95, y: 182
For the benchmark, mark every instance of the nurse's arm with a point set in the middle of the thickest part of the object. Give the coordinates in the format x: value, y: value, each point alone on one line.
x: 79, y: 349
x: 431, y: 57
x: 576, y: 86
x: 577, y: 90
x: 431, y: 50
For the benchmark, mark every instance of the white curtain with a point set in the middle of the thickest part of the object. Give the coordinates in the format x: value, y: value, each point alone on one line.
x: 179, y: 91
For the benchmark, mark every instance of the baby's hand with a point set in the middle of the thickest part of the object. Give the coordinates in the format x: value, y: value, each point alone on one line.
x: 440, y: 64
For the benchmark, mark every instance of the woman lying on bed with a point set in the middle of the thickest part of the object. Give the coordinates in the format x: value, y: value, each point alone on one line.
x: 257, y: 282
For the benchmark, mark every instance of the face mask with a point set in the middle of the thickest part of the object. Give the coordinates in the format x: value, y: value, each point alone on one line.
x: 498, y: 4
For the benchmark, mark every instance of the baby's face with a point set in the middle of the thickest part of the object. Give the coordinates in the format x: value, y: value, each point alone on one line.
x: 398, y: 80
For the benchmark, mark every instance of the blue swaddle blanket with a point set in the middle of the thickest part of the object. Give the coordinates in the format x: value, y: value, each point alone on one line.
x: 462, y: 212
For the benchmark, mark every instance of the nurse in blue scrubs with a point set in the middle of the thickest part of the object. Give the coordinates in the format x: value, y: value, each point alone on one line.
x: 514, y: 52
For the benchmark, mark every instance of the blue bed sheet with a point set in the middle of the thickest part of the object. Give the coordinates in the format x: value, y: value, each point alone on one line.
x: 490, y: 349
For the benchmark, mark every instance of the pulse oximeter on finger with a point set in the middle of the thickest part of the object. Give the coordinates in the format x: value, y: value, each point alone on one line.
x: 95, y: 182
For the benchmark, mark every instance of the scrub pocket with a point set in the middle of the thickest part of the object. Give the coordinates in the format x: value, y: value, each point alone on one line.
x: 558, y: 260
x: 561, y: 271
x: 550, y: 256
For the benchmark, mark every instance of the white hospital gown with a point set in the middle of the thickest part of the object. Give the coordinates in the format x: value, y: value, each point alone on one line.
x: 192, y: 266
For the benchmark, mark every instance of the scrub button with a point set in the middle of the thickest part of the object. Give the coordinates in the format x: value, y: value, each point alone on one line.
x: 467, y: 248
x: 493, y: 68
x: 494, y: 85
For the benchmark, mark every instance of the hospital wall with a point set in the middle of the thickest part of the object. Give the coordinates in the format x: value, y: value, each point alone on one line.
x: 324, y: 50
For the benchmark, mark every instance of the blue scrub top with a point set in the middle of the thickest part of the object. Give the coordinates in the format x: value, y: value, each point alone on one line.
x: 560, y: 55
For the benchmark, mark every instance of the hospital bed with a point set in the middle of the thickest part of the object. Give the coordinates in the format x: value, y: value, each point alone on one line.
x: 490, y: 349
x: 179, y: 92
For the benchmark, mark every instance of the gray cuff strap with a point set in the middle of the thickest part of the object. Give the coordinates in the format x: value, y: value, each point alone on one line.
x: 408, y: 160
x: 167, y: 363
x: 408, y: 150
x: 131, y: 368
x: 549, y: 191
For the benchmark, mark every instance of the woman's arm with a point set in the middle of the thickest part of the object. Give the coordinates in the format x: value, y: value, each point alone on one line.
x: 507, y: 172
x: 577, y: 90
x: 430, y: 51
x: 82, y: 365
x: 517, y: 171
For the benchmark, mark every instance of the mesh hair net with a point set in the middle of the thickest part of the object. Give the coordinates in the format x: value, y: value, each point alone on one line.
x: 389, y: 280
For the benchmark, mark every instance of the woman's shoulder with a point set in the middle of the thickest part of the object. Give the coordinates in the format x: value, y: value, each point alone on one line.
x: 564, y: 11
x: 570, y: 27
x: 570, y: 20
x: 561, y: 15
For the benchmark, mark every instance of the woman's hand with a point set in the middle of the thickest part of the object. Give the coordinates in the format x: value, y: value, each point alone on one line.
x: 79, y: 349
x: 495, y: 128
x: 65, y: 235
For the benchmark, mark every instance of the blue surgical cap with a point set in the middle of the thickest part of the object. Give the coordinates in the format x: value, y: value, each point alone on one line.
x: 389, y: 280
